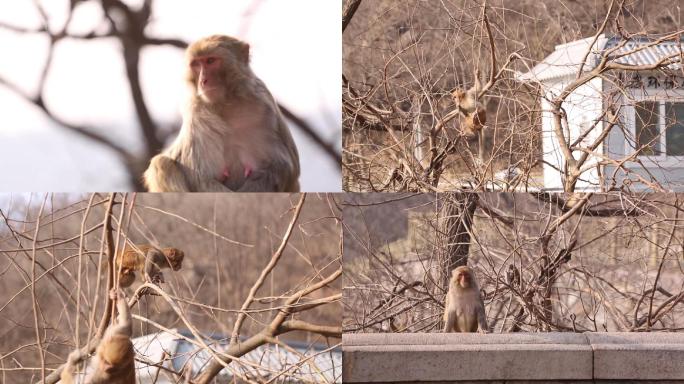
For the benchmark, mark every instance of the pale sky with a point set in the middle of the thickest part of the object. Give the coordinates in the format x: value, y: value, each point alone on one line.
x: 295, y: 50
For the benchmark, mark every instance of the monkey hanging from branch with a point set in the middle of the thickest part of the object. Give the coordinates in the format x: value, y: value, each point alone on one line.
x: 114, y: 359
x: 469, y: 102
x: 472, y: 110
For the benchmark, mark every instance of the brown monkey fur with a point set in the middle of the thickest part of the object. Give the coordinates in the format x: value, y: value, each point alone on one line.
x: 149, y: 260
x: 114, y: 359
x: 464, y: 309
x: 233, y: 136
x: 473, y: 111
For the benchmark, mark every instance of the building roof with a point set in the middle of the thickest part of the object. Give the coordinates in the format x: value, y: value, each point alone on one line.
x: 306, y: 362
x: 565, y: 60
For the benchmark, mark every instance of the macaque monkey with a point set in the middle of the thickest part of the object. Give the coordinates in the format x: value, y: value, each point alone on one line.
x: 114, y: 358
x: 149, y: 261
x: 464, y: 309
x: 473, y: 111
x: 233, y: 136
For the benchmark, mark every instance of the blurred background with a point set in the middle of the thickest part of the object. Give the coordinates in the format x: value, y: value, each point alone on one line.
x: 91, y: 89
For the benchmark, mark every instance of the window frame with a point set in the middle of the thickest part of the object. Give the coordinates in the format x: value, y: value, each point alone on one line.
x: 661, y: 97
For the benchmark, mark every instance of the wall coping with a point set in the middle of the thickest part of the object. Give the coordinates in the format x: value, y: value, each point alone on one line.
x: 405, y: 357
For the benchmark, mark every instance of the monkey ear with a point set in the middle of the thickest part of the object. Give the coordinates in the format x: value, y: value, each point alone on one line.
x: 244, y: 52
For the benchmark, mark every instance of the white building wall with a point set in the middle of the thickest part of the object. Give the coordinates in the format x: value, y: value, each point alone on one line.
x: 586, y: 104
x: 667, y: 171
x: 552, y: 155
x: 583, y: 108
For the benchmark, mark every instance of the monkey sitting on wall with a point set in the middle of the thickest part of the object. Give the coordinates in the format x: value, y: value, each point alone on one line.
x: 233, y: 136
x: 148, y: 260
x: 464, y: 309
x: 473, y: 111
x: 114, y: 359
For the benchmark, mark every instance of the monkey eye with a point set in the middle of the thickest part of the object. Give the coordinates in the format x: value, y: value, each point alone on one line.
x: 211, y: 60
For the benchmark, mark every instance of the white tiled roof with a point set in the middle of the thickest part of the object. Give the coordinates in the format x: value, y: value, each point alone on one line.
x: 566, y: 58
x: 648, y: 55
x: 307, y: 364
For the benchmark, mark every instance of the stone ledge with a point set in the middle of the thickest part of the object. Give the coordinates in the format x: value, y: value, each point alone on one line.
x: 436, y: 357
x: 644, y: 356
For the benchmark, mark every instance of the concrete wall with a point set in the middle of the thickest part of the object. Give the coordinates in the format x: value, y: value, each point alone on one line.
x: 513, y: 358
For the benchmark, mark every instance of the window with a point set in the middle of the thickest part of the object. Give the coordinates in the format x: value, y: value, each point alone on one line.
x: 659, y: 128
x: 674, y: 135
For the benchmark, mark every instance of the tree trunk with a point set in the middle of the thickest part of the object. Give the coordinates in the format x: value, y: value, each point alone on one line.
x: 455, y: 223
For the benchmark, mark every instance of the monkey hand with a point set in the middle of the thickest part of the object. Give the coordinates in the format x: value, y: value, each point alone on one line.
x: 74, y: 357
x: 116, y: 294
x: 258, y: 180
x: 483, y: 331
x: 156, y: 279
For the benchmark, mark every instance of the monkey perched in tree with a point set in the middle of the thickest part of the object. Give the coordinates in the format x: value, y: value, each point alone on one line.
x: 233, y: 136
x: 149, y: 260
x: 473, y: 111
x: 464, y: 309
x: 114, y: 358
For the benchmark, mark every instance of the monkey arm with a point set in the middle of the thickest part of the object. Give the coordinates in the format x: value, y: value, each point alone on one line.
x: 470, y: 103
x: 449, y: 315
x: 154, y: 259
x: 292, y: 170
x: 165, y: 175
x: 124, y: 323
x: 482, y: 320
x: 67, y: 375
x: 449, y: 321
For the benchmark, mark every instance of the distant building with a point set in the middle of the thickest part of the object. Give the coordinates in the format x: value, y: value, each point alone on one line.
x: 306, y: 363
x: 652, y: 112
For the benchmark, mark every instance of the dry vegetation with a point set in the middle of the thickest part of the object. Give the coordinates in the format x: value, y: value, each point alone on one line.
x: 50, y: 306
x: 403, y: 58
x: 615, y: 265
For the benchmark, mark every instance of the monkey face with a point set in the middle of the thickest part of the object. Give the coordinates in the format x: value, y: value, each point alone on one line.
x: 176, y: 264
x: 458, y: 95
x: 215, y: 62
x: 175, y: 258
x: 126, y: 278
x: 463, y: 277
x: 464, y: 280
x: 207, y: 77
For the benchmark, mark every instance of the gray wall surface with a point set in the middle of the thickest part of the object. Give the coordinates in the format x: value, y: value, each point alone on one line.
x: 513, y: 358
